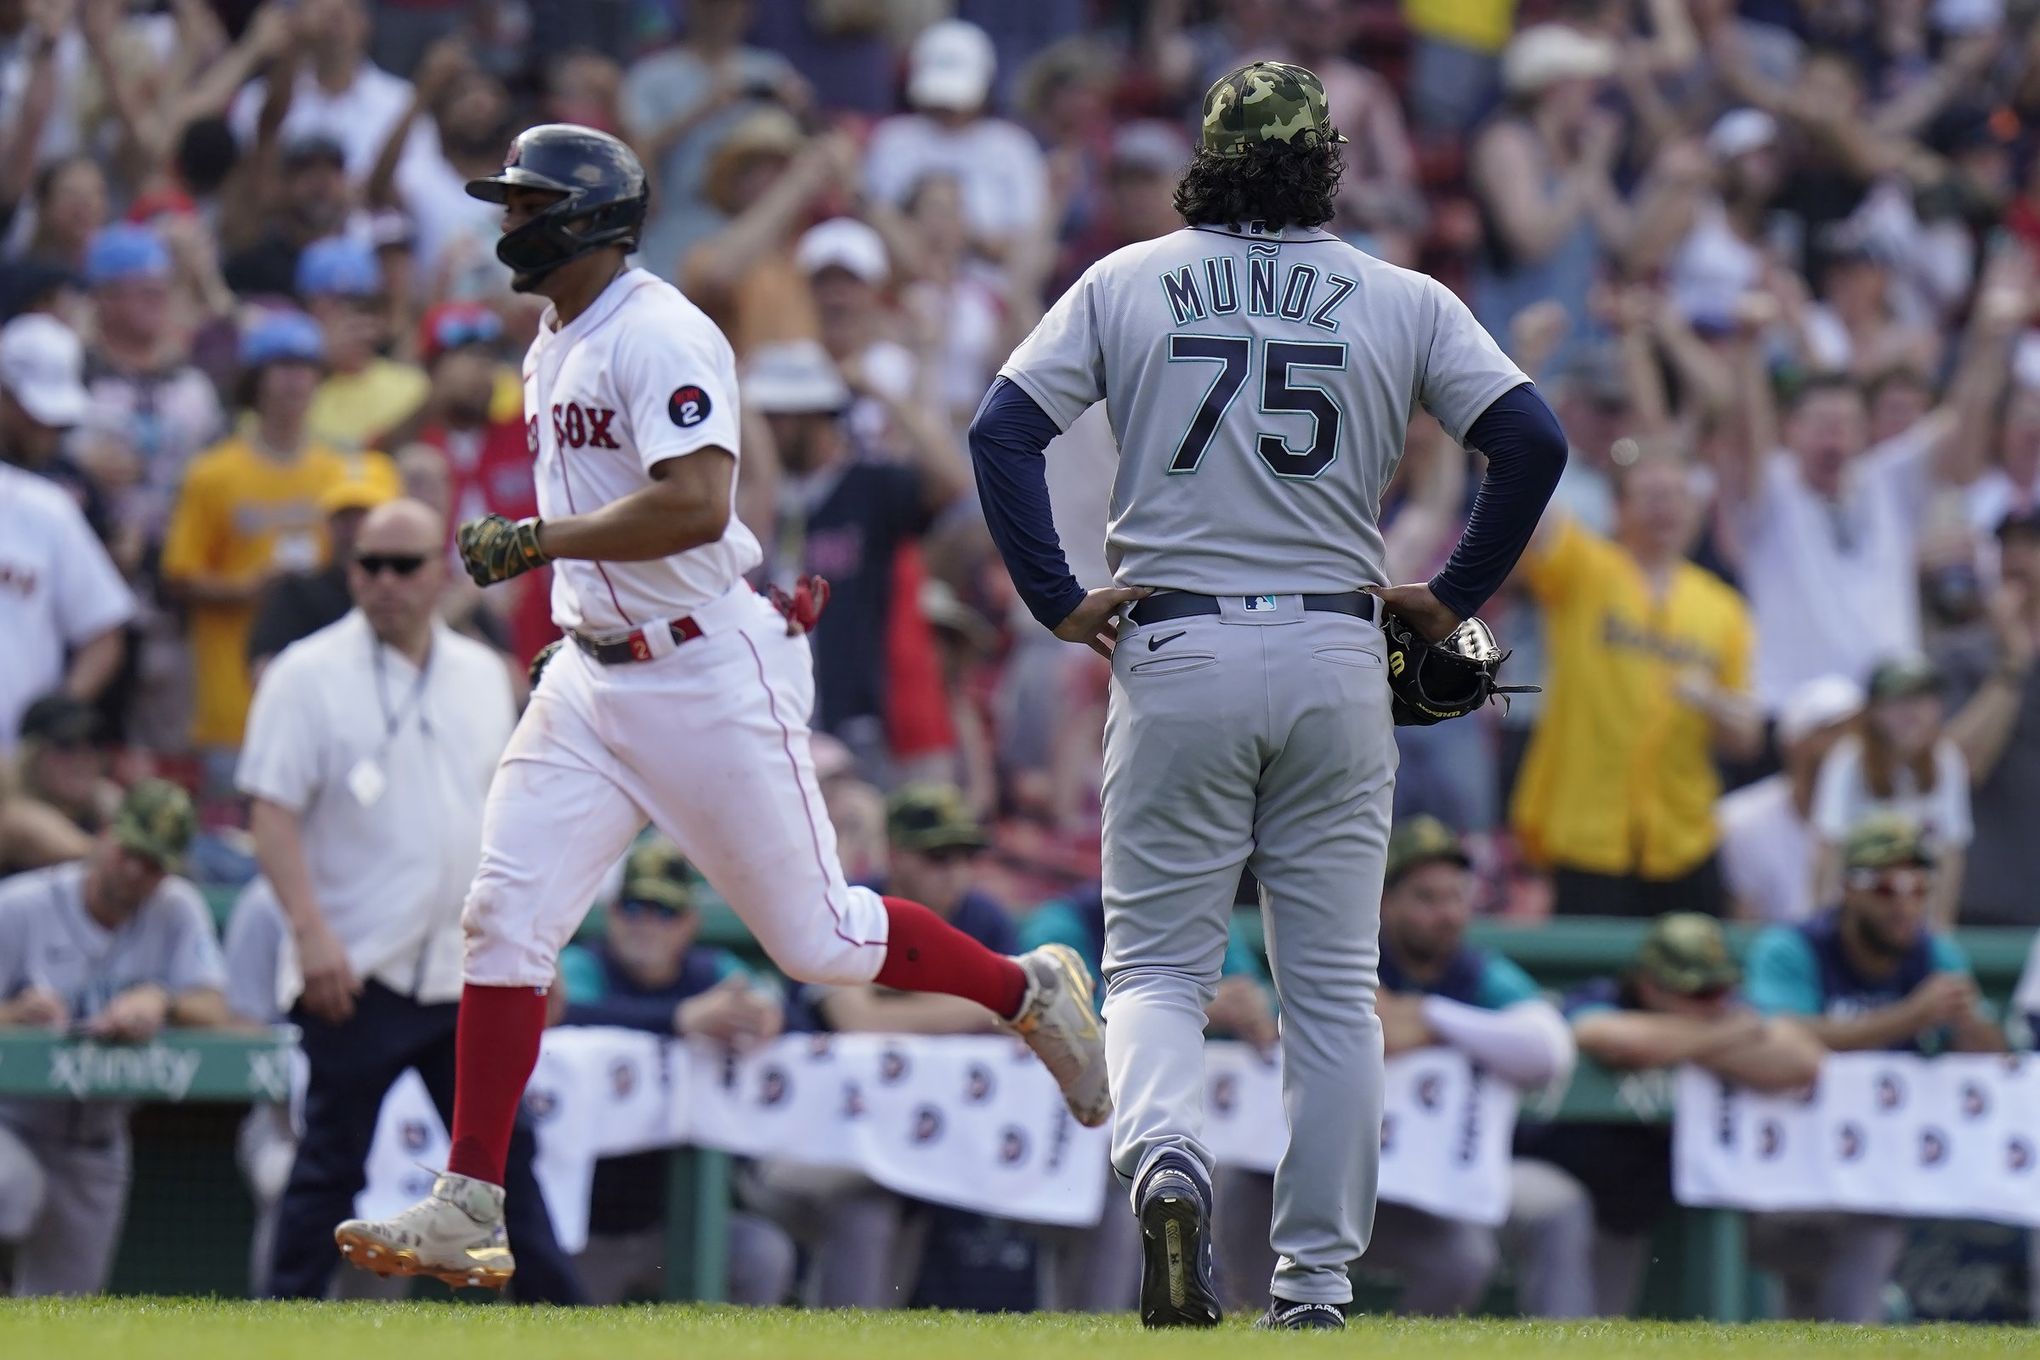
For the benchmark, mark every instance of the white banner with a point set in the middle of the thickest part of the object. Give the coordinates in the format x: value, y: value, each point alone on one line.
x: 1445, y: 1128
x: 1882, y: 1133
x: 967, y: 1121
x: 972, y: 1122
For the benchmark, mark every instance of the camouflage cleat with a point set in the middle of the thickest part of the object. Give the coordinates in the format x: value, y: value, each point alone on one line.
x: 1060, y: 1024
x: 455, y: 1235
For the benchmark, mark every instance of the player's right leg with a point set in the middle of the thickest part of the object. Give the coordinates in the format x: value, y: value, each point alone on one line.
x: 558, y: 817
x: 1182, y: 751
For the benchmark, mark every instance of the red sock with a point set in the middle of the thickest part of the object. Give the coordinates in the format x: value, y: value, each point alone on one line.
x: 924, y: 953
x: 496, y: 1047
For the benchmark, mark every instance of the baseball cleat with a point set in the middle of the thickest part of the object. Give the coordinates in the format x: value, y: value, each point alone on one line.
x: 1175, y: 1250
x: 455, y: 1235
x: 1061, y: 1025
x: 1286, y: 1316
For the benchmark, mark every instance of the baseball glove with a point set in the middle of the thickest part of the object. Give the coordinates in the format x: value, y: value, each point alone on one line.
x: 495, y: 549
x: 1433, y: 681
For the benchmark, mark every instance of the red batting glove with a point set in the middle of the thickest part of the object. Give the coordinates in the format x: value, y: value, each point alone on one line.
x: 804, y: 606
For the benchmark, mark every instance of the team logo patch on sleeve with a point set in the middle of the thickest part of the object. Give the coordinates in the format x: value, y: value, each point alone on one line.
x: 688, y: 406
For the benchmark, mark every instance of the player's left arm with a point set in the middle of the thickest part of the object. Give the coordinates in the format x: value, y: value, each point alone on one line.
x: 686, y: 506
x: 676, y: 382
x: 1484, y: 400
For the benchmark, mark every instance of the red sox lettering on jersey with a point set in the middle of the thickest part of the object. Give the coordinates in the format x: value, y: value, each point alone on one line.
x: 576, y: 426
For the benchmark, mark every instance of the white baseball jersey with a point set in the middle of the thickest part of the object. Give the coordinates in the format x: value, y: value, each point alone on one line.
x: 641, y: 376
x: 1259, y: 383
x: 58, y: 590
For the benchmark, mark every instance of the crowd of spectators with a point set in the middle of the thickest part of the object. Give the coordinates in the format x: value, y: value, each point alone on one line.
x: 1775, y: 263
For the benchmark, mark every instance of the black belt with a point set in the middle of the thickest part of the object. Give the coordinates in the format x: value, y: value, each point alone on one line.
x: 1176, y: 604
x: 634, y: 646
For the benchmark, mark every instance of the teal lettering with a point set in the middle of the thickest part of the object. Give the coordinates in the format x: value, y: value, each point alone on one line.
x: 1181, y: 290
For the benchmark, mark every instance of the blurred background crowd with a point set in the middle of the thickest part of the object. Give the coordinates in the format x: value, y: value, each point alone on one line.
x: 1773, y: 262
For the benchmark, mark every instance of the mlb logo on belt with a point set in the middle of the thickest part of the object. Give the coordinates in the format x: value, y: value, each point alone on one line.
x: 1257, y: 604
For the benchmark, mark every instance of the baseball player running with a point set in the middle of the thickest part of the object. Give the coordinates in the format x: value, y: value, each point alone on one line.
x: 683, y: 700
x: 1259, y: 375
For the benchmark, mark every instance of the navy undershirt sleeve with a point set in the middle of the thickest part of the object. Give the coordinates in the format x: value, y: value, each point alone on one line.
x: 1525, y: 451
x: 1007, y: 437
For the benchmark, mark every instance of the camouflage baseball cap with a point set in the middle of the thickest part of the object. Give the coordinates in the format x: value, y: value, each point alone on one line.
x: 1417, y: 841
x: 657, y: 872
x: 929, y: 817
x: 1686, y: 952
x: 1885, y: 839
x: 1265, y: 101
x: 155, y: 821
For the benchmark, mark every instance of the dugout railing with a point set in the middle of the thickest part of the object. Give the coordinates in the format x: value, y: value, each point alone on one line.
x: 190, y: 1217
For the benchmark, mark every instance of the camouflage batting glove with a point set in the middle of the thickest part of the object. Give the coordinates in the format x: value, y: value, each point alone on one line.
x: 495, y: 549
x: 538, y: 662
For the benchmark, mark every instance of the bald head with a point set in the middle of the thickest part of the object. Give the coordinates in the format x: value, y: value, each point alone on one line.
x: 403, y: 525
x: 398, y: 571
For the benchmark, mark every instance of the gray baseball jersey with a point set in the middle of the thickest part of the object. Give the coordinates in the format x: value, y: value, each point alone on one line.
x: 64, y: 1164
x: 1259, y: 383
x: 48, y: 939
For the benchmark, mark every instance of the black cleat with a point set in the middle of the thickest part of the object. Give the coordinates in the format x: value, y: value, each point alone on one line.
x: 1285, y: 1316
x: 1175, y: 1247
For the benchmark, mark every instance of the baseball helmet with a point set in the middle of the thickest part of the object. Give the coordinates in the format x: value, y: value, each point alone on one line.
x: 602, y: 204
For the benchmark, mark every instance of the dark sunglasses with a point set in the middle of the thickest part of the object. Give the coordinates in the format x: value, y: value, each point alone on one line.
x: 661, y: 910
x: 1706, y: 994
x: 403, y: 564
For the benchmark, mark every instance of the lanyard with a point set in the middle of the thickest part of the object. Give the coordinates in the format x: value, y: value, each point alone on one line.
x: 394, y: 718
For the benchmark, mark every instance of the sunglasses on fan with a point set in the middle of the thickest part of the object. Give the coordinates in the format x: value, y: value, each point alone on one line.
x: 403, y: 564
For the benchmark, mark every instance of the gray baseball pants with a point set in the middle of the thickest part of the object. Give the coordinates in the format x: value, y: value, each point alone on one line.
x: 61, y: 1205
x: 1259, y: 737
x: 1833, y: 1266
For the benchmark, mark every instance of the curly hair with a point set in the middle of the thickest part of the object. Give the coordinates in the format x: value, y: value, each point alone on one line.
x: 1279, y: 183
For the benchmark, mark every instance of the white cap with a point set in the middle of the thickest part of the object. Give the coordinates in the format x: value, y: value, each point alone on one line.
x: 1817, y: 704
x: 1544, y: 54
x: 1741, y: 130
x: 951, y: 66
x: 795, y: 377
x: 844, y: 243
x: 42, y: 366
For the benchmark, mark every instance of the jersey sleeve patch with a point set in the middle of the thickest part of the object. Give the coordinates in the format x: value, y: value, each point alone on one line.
x: 688, y: 406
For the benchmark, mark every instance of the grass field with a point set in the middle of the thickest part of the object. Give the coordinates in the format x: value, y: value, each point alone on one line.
x: 176, y: 1329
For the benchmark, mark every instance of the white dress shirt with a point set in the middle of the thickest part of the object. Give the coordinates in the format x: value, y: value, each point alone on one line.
x: 387, y: 767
